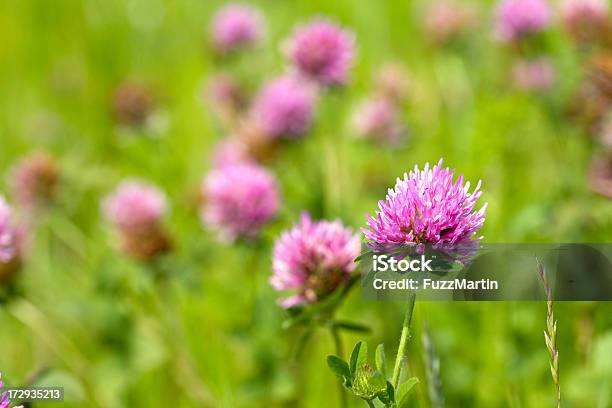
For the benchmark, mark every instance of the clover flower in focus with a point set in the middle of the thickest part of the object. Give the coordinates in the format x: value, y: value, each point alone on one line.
x: 516, y: 19
x: 235, y: 27
x: 137, y: 209
x: 379, y: 119
x: 536, y: 74
x: 427, y: 207
x: 585, y: 19
x: 239, y: 200
x: 10, y: 243
x: 285, y: 108
x: 313, y: 259
x: 323, y: 52
x: 34, y: 180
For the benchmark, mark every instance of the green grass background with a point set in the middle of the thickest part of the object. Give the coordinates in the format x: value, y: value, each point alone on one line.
x: 93, y: 317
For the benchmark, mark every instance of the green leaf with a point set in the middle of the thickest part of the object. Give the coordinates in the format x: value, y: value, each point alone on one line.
x: 359, y: 356
x: 403, y: 391
x: 366, y: 253
x: 387, y: 397
x: 381, y: 362
x: 350, y: 326
x: 340, y: 368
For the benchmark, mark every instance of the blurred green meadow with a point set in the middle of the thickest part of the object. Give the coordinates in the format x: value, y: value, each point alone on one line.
x: 95, y: 322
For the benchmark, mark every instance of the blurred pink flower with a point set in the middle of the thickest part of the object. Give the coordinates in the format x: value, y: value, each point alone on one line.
x: 236, y: 26
x: 534, y: 74
x: 133, y: 104
x: 447, y: 19
x: 518, y: 18
x: 427, y: 206
x: 392, y: 81
x: 579, y: 11
x: 584, y: 18
x: 285, y: 107
x: 313, y: 259
x: 34, y: 180
x: 239, y: 200
x: 322, y: 51
x: 137, y: 209
x: 11, y: 243
x: 134, y: 203
x: 378, y: 119
x: 9, y: 236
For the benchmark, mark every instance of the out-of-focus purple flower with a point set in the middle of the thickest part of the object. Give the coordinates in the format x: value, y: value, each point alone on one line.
x: 137, y: 209
x: 313, y: 259
x: 392, y: 81
x: 518, y: 18
x: 447, y: 19
x: 584, y: 19
x: 226, y: 98
x: 34, y: 180
x: 378, y: 119
x: 322, y: 51
x: 9, y: 247
x: 133, y: 104
x: 534, y: 74
x: 427, y: 207
x: 236, y: 26
x: 135, y: 203
x: 600, y: 174
x: 239, y: 200
x: 285, y: 107
x: 11, y: 240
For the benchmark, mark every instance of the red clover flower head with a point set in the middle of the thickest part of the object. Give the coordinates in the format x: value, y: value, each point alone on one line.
x: 239, y: 200
x: 34, y: 180
x: 133, y: 104
x: 137, y: 209
x: 313, y: 259
x: 379, y: 119
x: 446, y: 20
x: 584, y: 19
x: 285, y: 107
x: 516, y: 19
x: 427, y: 207
x: 236, y: 26
x: 322, y: 51
x: 534, y: 74
x: 9, y: 234
x: 135, y: 203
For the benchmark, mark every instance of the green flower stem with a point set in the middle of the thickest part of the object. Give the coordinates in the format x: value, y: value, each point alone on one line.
x: 339, y: 352
x: 370, y: 404
x: 401, y: 350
